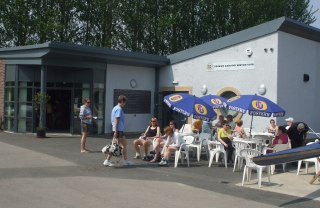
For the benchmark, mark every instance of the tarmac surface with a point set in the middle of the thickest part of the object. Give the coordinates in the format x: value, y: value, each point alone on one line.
x: 51, y: 172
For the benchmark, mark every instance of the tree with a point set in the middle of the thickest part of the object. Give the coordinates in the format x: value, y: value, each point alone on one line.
x: 152, y: 26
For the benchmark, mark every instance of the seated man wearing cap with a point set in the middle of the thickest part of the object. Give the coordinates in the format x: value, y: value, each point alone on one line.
x: 297, y: 134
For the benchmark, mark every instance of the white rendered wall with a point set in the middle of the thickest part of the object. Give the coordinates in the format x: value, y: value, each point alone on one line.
x: 298, y: 56
x: 193, y: 73
x: 118, y: 77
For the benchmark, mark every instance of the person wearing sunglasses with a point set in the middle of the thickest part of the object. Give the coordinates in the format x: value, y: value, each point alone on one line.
x: 85, y: 116
x: 225, y: 137
x: 152, y: 131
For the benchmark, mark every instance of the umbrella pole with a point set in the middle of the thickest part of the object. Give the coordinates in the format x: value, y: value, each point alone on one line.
x: 185, y: 121
x: 251, y: 127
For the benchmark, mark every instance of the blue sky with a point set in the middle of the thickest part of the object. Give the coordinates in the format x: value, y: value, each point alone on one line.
x: 316, y: 5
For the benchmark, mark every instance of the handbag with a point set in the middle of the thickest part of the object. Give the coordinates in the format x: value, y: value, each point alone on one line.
x: 113, y: 149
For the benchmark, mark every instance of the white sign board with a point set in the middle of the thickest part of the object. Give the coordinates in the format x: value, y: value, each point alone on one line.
x: 231, y: 66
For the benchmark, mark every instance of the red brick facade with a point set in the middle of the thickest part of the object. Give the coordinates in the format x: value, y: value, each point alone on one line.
x: 2, y: 79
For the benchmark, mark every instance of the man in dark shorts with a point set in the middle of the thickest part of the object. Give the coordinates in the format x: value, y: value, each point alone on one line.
x: 117, y: 120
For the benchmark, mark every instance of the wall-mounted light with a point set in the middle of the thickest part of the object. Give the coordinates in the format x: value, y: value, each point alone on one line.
x: 262, y: 89
x: 133, y: 83
x: 204, y: 89
x: 249, y: 52
x: 175, y: 82
x: 306, y: 77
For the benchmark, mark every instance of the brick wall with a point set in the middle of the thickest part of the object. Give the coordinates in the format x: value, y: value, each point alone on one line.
x: 2, y: 79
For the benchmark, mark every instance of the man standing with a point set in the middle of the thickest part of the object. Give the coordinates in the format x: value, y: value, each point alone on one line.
x: 297, y: 134
x: 289, y: 121
x: 117, y: 120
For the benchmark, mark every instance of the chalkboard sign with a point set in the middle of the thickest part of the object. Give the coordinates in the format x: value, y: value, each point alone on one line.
x: 139, y: 101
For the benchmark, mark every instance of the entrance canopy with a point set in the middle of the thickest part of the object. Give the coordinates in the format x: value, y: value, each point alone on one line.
x: 65, y: 54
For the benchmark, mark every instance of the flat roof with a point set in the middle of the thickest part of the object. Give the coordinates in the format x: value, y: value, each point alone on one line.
x: 57, y: 50
x: 281, y: 24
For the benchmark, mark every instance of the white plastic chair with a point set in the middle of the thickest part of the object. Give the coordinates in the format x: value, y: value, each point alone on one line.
x: 238, y: 146
x: 307, y: 161
x: 201, y: 144
x: 262, y: 140
x: 183, y: 152
x: 186, y: 130
x: 248, y: 154
x: 215, y: 148
x: 277, y: 148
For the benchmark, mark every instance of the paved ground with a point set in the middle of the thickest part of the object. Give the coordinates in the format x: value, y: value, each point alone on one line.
x: 51, y: 172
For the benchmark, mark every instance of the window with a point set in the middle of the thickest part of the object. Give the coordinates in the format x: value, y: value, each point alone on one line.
x: 229, y: 92
x: 139, y: 101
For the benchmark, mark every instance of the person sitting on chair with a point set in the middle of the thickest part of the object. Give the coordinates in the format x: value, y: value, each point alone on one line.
x: 230, y: 121
x: 238, y: 130
x: 173, y: 143
x: 217, y: 124
x: 146, y: 139
x: 225, y: 137
x: 272, y: 128
x: 197, y: 126
x: 281, y: 137
x: 159, y: 142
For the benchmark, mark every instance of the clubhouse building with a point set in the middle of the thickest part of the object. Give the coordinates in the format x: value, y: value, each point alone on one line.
x: 279, y: 59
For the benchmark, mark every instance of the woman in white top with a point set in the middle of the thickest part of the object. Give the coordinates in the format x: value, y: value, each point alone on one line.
x: 174, y: 140
x: 159, y: 142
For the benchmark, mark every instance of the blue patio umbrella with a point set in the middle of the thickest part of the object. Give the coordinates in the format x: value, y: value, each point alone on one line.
x: 188, y: 105
x: 215, y: 101
x: 256, y: 106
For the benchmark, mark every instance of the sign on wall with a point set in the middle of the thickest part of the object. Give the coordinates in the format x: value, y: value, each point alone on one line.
x: 231, y: 66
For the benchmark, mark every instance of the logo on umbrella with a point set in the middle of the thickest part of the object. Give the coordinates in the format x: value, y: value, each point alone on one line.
x: 200, y: 109
x: 216, y: 101
x: 259, y: 105
x: 175, y: 98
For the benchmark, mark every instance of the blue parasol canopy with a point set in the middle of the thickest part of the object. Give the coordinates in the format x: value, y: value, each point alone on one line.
x: 255, y: 105
x: 188, y: 105
x: 215, y: 101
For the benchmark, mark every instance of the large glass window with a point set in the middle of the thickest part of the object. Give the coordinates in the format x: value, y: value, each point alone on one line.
x: 228, y: 93
x: 9, y: 110
x: 98, y: 108
x: 25, y: 107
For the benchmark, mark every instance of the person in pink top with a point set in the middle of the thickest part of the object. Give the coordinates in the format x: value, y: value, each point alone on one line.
x: 281, y: 137
x: 238, y: 130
